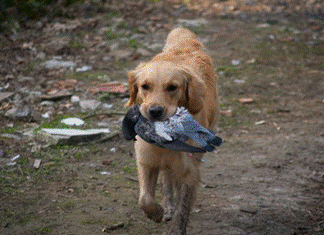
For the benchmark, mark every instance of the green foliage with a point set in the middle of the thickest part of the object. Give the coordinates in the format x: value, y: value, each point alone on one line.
x: 32, y: 9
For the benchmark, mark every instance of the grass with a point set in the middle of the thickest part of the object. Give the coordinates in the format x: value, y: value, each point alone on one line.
x: 134, y: 44
x: 90, y: 75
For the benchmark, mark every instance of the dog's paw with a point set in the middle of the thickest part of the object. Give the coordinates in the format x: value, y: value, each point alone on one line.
x: 156, y: 213
x: 168, y: 214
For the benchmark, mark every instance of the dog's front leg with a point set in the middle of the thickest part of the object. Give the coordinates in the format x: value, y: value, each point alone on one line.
x: 147, y: 180
x: 167, y: 194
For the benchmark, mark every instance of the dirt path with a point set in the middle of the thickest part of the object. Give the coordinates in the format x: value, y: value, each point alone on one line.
x: 266, y: 179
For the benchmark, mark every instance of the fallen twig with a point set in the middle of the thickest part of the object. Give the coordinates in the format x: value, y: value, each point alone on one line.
x: 113, y: 227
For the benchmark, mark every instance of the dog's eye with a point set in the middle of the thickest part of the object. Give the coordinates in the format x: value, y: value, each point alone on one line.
x: 145, y: 87
x: 172, y: 88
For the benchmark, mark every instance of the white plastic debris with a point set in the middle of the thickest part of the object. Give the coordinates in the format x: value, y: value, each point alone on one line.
x: 236, y: 62
x: 83, y: 69
x: 113, y: 150
x: 73, y: 132
x: 15, y: 158
x: 45, y: 115
x: 73, y: 121
x: 75, y: 99
x: 260, y: 122
x: 105, y: 173
x: 11, y: 163
x: 37, y: 163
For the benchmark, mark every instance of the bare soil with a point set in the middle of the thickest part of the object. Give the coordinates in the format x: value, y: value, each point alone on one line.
x: 266, y: 179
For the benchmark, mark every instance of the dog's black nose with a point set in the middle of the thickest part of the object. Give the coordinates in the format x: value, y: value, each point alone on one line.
x: 156, y: 112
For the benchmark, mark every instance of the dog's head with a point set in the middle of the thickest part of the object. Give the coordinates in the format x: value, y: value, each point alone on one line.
x: 160, y: 87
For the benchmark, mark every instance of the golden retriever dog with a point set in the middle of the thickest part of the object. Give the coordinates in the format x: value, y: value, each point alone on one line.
x: 181, y: 76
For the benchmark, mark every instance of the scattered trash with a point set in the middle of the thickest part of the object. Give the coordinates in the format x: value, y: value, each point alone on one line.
x: 15, y: 158
x: 272, y: 37
x: 107, y: 106
x: 37, y: 163
x: 57, y: 136
x: 72, y: 121
x: 113, y: 227
x: 111, y: 87
x: 245, y: 100
x: 104, y: 173
x: 260, y: 122
x: 55, y: 64
x: 84, y: 69
x: 236, y: 62
x: 75, y: 99
x: 239, y: 81
x: 46, y: 115
x: 113, y: 150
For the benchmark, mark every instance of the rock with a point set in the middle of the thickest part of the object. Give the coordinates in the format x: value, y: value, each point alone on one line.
x: 55, y: 64
x: 192, y: 23
x: 261, y: 26
x: 121, y: 54
x: 5, y: 95
x: 143, y: 52
x: 91, y: 105
x: 23, y: 114
x: 155, y: 46
x: 47, y: 103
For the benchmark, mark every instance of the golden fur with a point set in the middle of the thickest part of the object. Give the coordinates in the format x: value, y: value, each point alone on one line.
x: 182, y: 75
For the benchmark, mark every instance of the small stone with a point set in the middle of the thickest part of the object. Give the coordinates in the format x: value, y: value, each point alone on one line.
x: 143, y: 52
x: 47, y: 103
x: 6, y: 95
x: 121, y: 54
x: 90, y: 105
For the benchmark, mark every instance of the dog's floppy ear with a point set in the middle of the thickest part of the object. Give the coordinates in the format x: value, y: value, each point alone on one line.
x: 133, y: 89
x: 195, y: 93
